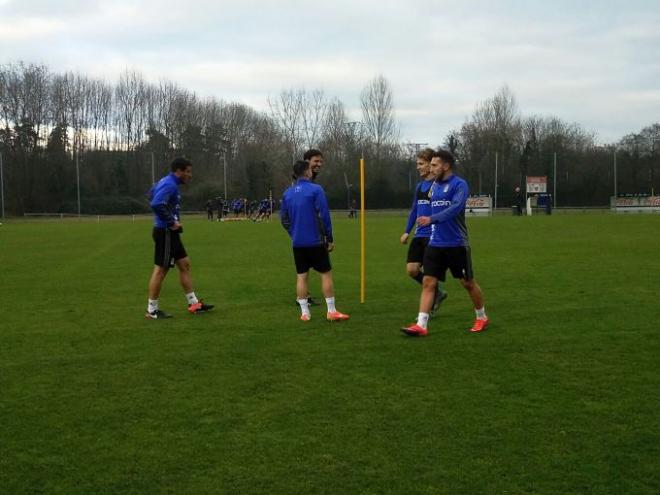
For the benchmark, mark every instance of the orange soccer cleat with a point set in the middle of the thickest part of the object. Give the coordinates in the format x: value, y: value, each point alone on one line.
x: 337, y: 316
x: 479, y: 325
x: 414, y: 330
x: 199, y: 307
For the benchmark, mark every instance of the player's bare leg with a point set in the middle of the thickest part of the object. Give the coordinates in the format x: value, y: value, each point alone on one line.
x: 302, y: 289
x: 414, y: 270
x: 328, y: 288
x: 477, y: 296
x: 195, y: 305
x: 156, y: 281
x: 426, y: 299
x: 155, y: 284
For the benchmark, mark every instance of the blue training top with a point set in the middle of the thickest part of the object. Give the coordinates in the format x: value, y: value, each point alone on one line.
x: 448, y: 198
x: 305, y: 215
x: 421, y: 207
x: 165, y: 201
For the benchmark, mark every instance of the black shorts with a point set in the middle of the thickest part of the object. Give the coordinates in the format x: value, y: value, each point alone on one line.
x: 316, y: 257
x: 416, y: 249
x: 457, y: 259
x: 168, y: 247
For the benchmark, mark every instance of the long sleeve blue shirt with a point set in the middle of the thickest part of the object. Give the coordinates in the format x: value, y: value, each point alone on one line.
x: 166, y: 201
x: 448, y: 199
x: 421, y: 207
x: 305, y: 215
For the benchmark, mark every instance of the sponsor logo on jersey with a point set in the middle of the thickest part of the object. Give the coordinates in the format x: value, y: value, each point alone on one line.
x: 441, y: 202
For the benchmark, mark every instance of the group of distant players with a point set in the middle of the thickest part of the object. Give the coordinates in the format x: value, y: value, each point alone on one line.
x: 440, y: 237
x: 240, y: 208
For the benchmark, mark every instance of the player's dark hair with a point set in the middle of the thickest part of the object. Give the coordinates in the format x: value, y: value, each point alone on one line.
x: 311, y: 153
x: 426, y: 154
x: 445, y: 156
x: 180, y: 163
x: 299, y: 169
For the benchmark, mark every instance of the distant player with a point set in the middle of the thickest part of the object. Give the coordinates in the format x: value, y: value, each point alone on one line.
x: 263, y: 210
x: 209, y: 210
x: 421, y: 206
x: 449, y: 247
x: 169, y: 250
x: 306, y: 217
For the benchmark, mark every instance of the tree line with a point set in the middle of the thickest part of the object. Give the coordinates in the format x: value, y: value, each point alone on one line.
x: 118, y: 137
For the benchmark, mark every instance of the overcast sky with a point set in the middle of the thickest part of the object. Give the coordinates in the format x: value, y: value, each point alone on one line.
x: 592, y: 62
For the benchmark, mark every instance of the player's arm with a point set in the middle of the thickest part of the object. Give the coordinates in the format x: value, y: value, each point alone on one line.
x: 321, y: 204
x: 458, y: 201
x: 412, y: 217
x: 161, y: 208
x: 284, y: 216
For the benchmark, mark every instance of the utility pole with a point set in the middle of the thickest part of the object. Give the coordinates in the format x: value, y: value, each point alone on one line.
x: 224, y: 167
x: 495, y: 199
x: 554, y: 190
x: 2, y: 187
x: 78, y: 177
x: 615, y: 181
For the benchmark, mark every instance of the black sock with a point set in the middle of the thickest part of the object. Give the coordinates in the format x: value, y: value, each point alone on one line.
x: 418, y: 278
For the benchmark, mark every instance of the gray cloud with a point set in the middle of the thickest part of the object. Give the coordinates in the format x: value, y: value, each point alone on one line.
x: 594, y: 63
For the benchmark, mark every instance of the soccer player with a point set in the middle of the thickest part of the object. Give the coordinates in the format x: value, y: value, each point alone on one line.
x: 169, y: 250
x: 315, y: 159
x: 449, y: 247
x: 421, y: 206
x: 306, y: 217
x: 209, y: 210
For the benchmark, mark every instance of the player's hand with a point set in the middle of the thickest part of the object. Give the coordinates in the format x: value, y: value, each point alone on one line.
x: 330, y: 246
x: 404, y: 238
x: 175, y: 226
x: 423, y: 221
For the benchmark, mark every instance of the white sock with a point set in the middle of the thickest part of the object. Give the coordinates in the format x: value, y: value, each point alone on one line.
x: 481, y: 313
x: 192, y: 298
x: 330, y: 301
x: 423, y: 319
x: 152, y: 306
x: 304, y: 306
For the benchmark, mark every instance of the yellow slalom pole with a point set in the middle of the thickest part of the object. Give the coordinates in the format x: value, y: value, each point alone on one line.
x: 363, y: 251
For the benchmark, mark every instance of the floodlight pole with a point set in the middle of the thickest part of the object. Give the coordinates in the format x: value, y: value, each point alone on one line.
x: 78, y: 178
x: 224, y: 168
x: 495, y: 199
x: 615, y: 181
x: 2, y: 187
x: 554, y: 190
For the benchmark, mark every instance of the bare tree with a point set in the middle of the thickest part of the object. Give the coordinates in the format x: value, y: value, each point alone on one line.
x: 287, y: 113
x: 314, y: 112
x: 130, y: 100
x: 378, y: 116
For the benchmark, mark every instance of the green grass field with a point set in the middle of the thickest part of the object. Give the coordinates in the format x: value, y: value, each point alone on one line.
x: 560, y: 396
